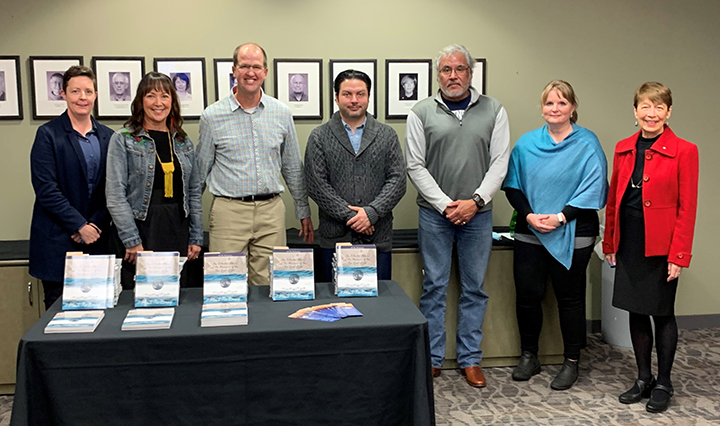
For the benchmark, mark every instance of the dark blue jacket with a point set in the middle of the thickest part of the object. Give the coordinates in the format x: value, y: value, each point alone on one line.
x: 58, y: 172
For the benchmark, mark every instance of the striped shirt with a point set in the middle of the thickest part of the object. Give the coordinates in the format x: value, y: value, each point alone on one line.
x: 243, y: 152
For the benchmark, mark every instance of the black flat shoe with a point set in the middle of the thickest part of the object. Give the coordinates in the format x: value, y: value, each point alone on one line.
x: 659, y: 399
x: 528, y: 366
x: 640, y: 390
x: 566, y: 377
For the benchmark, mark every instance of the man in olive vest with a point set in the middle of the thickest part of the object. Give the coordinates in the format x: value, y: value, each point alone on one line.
x: 457, y: 149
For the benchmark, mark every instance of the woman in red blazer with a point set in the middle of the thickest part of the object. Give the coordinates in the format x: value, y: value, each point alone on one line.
x: 649, y: 226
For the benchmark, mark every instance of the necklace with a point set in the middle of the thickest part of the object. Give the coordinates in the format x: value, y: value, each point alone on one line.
x: 168, y: 168
x: 636, y: 185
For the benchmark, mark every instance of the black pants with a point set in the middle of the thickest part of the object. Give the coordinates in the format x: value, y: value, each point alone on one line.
x: 53, y: 290
x: 533, y: 264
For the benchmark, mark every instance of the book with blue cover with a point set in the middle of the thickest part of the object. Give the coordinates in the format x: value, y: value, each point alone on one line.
x: 291, y: 274
x: 75, y: 322
x: 356, y: 270
x: 225, y: 278
x: 224, y: 314
x: 148, y: 319
x: 85, y: 282
x: 157, y: 279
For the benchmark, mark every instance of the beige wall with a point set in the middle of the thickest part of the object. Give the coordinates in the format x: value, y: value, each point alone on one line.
x: 604, y: 48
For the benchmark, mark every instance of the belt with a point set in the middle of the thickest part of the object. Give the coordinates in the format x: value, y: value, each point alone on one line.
x: 249, y: 198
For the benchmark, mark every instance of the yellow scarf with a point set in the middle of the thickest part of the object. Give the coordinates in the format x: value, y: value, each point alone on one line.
x: 168, y: 169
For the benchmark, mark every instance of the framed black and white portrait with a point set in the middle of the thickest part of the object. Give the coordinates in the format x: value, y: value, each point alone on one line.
x: 479, y: 75
x: 298, y: 84
x: 188, y: 77
x: 46, y: 73
x: 10, y: 92
x: 224, y: 78
x: 406, y: 82
x: 368, y: 66
x: 117, y: 79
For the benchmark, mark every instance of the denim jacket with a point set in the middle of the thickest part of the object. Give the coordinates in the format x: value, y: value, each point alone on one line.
x: 129, y: 183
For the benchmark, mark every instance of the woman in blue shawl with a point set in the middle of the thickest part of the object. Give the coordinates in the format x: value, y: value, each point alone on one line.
x: 556, y: 181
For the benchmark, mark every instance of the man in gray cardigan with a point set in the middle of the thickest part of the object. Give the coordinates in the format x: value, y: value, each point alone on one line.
x: 457, y: 149
x: 355, y: 173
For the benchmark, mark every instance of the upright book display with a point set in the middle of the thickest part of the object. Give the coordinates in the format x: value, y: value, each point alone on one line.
x: 157, y: 280
x: 291, y: 274
x: 356, y: 270
x: 86, y: 282
x: 225, y: 279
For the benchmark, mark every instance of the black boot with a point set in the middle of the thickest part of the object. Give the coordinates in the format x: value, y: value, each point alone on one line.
x: 566, y: 377
x: 528, y: 366
x: 640, y: 390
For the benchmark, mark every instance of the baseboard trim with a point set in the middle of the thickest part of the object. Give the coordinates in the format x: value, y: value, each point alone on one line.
x: 691, y: 322
x: 684, y: 322
x: 593, y: 326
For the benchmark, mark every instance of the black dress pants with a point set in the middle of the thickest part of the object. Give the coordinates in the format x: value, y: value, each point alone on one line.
x: 533, y: 264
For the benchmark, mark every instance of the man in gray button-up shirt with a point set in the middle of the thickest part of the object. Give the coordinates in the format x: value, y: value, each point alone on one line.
x: 355, y: 174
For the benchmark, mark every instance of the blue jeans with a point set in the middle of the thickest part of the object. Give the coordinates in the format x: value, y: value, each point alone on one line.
x: 436, y: 235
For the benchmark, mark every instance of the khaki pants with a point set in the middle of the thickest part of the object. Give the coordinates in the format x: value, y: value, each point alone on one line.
x: 253, y: 227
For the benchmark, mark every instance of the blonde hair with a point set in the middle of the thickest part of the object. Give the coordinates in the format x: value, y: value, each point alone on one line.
x: 567, y: 92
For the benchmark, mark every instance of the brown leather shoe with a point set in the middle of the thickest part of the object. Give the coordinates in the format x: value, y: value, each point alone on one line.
x: 474, y: 376
x: 436, y: 372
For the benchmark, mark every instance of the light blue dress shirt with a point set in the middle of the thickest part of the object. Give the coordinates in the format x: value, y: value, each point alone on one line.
x: 355, y: 138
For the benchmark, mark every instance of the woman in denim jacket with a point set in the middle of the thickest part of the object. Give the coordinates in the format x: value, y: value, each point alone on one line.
x: 154, y: 192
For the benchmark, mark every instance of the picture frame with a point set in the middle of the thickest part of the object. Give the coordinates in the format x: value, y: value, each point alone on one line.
x: 224, y: 78
x: 117, y: 80
x: 188, y: 76
x: 11, y: 107
x: 368, y: 66
x: 46, y: 82
x: 298, y: 84
x: 480, y: 75
x: 407, y: 81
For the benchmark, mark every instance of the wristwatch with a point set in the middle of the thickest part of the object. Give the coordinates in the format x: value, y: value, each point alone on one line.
x: 560, y: 219
x: 478, y: 201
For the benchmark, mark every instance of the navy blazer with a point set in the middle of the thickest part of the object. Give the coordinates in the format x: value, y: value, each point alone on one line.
x: 62, y: 206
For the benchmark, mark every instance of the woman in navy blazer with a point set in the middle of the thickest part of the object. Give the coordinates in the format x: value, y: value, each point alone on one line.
x: 67, y: 165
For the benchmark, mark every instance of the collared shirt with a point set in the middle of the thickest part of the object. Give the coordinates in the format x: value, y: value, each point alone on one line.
x: 356, y: 137
x: 243, y: 152
x: 91, y: 150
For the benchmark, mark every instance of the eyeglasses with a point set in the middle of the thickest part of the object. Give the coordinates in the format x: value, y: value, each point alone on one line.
x: 459, y: 70
x: 255, y: 68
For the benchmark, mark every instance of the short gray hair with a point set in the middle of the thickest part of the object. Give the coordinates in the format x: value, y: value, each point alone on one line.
x: 452, y: 49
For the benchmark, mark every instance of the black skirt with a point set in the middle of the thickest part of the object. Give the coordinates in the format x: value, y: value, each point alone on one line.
x: 165, y: 228
x: 641, y: 283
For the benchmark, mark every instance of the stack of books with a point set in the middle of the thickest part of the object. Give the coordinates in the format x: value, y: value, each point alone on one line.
x: 224, y: 290
x: 90, y: 282
x: 291, y: 274
x: 355, y: 270
x: 157, y: 279
x: 75, y: 322
x: 224, y: 314
x: 148, y: 319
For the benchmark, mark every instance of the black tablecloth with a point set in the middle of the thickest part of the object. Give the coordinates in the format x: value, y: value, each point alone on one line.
x: 371, y: 370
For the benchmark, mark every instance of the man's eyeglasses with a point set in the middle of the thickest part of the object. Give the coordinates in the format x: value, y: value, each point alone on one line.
x: 246, y: 67
x: 459, y: 70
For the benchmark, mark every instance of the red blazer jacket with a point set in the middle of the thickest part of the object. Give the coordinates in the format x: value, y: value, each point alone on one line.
x: 669, y: 192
